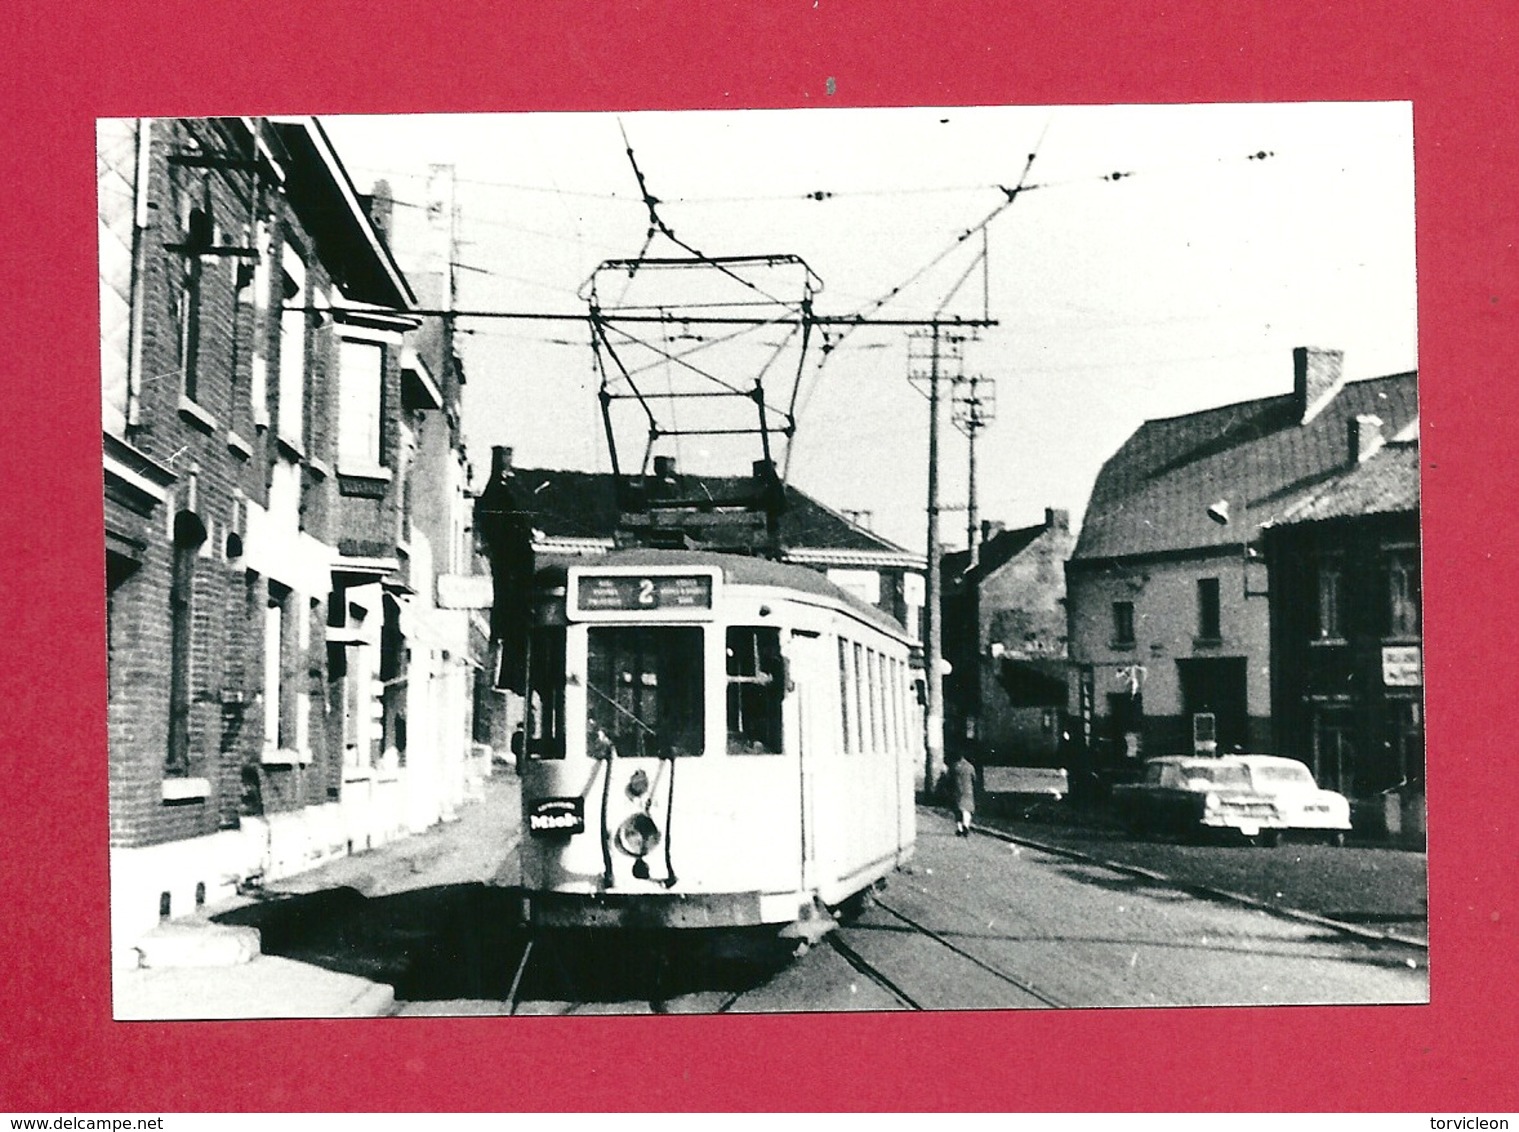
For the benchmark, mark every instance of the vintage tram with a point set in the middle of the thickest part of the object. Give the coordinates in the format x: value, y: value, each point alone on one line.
x: 710, y: 740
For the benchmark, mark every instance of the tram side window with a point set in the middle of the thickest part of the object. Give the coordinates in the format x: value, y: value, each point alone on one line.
x: 644, y: 691
x: 872, y: 713
x: 543, y: 714
x: 756, y: 684
x: 900, y: 702
x: 861, y: 699
x: 845, y: 684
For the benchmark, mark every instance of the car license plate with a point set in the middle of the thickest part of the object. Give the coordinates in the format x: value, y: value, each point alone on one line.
x: 1249, y: 828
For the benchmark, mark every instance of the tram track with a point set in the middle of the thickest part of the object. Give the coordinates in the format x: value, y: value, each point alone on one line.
x: 901, y: 990
x: 1011, y: 979
x: 866, y: 948
x: 871, y: 972
x: 1211, y: 892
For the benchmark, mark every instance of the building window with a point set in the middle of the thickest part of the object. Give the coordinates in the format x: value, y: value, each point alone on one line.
x: 406, y: 458
x: 118, y: 569
x: 187, y: 315
x: 1405, y: 736
x: 1329, y: 623
x: 756, y: 685
x: 1334, y: 747
x: 863, y: 584
x: 292, y: 375
x: 343, y: 704
x: 258, y: 374
x: 361, y: 367
x: 279, y: 706
x: 394, y: 663
x: 1208, y: 624
x: 285, y: 494
x: 197, y: 237
x: 1123, y: 622
x: 1403, y: 596
x: 188, y: 536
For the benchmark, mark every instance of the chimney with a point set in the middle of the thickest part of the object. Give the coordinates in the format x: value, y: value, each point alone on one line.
x: 1316, y: 377
x: 379, y: 206
x: 1057, y: 519
x: 501, y: 462
x: 990, y: 529
x: 1365, y: 436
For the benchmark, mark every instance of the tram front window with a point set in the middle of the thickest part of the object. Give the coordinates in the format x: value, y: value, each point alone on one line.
x: 543, y: 714
x: 756, y: 682
x: 644, y: 691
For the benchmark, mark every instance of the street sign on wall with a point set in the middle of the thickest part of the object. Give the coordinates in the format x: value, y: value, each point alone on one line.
x: 1402, y: 666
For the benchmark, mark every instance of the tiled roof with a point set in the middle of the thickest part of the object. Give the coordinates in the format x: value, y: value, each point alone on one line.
x: 1153, y: 495
x: 1385, y: 483
x: 583, y: 505
x: 995, y: 553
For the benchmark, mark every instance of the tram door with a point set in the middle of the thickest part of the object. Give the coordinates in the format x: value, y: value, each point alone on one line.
x: 806, y: 677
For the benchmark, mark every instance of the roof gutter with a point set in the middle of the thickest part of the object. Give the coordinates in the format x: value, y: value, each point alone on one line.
x: 338, y: 175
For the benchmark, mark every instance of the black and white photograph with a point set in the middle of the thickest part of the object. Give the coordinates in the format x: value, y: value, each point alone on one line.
x: 763, y: 561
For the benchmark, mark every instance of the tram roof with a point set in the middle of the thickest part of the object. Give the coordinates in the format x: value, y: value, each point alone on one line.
x: 738, y: 569
x: 566, y: 504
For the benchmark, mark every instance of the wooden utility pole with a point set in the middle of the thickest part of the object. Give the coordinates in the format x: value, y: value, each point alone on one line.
x: 933, y: 647
x: 975, y: 407
x: 945, y: 348
x: 972, y: 519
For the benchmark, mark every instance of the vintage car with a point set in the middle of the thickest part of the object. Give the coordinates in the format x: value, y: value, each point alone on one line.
x: 1305, y: 809
x: 1192, y: 796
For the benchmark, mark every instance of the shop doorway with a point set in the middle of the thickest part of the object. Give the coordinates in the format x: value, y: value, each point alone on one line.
x: 1215, y: 686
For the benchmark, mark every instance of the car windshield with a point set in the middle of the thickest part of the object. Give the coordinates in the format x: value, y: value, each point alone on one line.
x: 1275, y: 775
x: 1216, y: 773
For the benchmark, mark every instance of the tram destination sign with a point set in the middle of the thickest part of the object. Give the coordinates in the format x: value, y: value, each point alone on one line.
x: 683, y: 595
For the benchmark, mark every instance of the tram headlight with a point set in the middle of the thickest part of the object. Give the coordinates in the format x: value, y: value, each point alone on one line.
x: 638, y: 784
x: 638, y: 835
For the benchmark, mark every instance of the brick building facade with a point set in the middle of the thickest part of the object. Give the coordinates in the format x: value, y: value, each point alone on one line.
x: 1347, y: 637
x: 253, y: 376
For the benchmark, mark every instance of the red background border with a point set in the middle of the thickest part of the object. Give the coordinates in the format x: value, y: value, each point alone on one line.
x: 66, y: 67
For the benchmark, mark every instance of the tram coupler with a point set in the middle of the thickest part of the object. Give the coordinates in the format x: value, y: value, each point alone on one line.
x: 812, y: 923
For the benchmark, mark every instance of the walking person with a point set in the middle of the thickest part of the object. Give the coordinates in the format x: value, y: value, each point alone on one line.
x: 962, y: 775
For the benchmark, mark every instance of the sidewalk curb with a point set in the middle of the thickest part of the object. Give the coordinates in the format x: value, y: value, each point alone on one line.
x: 268, y: 987
x: 1211, y: 893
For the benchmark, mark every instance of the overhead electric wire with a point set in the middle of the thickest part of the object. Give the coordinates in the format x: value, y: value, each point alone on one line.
x: 657, y: 221
x: 414, y: 174
x: 982, y: 227
x: 510, y: 227
x: 823, y: 195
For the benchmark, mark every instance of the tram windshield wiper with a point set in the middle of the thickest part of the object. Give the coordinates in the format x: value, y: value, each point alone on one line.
x: 618, y: 707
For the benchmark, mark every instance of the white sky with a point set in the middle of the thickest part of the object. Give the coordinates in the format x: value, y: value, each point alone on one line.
x: 1181, y: 287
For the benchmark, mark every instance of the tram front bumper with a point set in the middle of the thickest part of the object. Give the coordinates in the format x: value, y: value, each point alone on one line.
x: 661, y: 910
